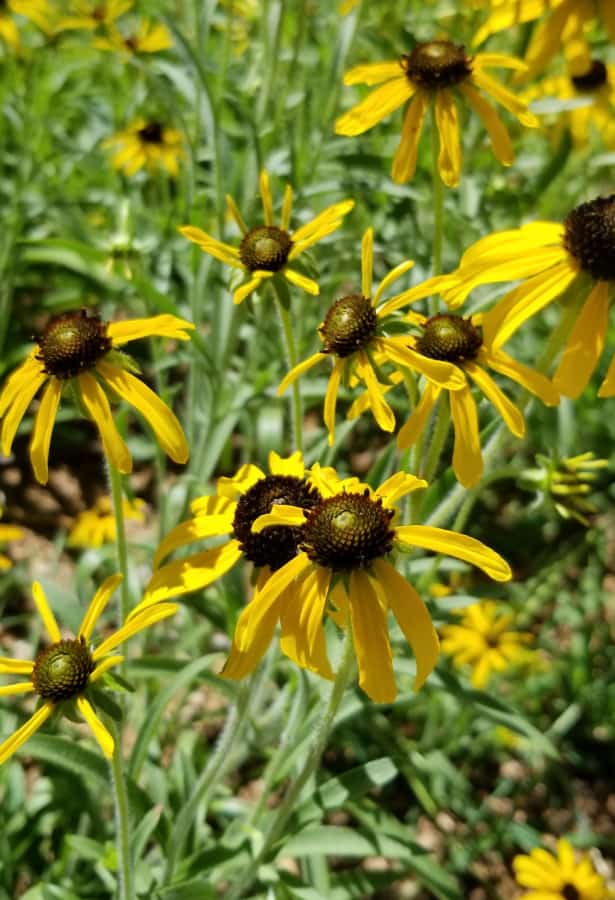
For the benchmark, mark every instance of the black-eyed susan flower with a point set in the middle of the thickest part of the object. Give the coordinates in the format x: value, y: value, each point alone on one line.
x: 149, y: 144
x: 559, y: 876
x: 355, y: 335
x: 551, y: 258
x: 267, y: 249
x: 97, y: 525
x: 8, y: 533
x: 484, y: 641
x: 562, y: 29
x: 346, y: 541
x: 589, y: 100
x: 432, y: 73
x: 92, y: 14
x: 38, y: 11
x: 63, y: 672
x: 149, y: 37
x: 78, y: 351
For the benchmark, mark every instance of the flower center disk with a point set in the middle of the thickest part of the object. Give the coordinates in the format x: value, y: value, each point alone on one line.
x: 275, y: 545
x: 150, y: 133
x: 265, y: 247
x: 595, y: 77
x: 348, y: 531
x: 589, y: 236
x: 72, y: 343
x: 570, y: 892
x: 62, y: 671
x: 437, y: 64
x: 450, y: 338
x: 349, y: 325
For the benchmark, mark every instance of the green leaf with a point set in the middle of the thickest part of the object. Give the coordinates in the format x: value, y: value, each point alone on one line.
x: 195, y: 889
x: 68, y: 254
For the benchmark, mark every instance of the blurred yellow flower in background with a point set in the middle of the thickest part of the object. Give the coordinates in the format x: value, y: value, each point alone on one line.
x: 146, y: 144
x: 559, y: 876
x: 92, y: 14
x: 38, y: 11
x: 96, y: 526
x: 347, y: 6
x: 149, y: 37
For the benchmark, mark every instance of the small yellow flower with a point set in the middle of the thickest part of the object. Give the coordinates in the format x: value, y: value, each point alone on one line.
x: 429, y: 74
x: 267, y: 249
x: 559, y: 877
x: 8, y: 533
x: 79, y: 351
x: 96, y: 526
x: 564, y: 28
x: 549, y: 259
x: 355, y: 333
x: 342, y: 567
x: 92, y: 14
x: 66, y: 669
x: 146, y: 144
x: 150, y: 37
x: 483, y: 640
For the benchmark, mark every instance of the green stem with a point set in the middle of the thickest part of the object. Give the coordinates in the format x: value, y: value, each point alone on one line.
x: 312, y: 762
x: 122, y: 823
x: 117, y: 497
x: 291, y: 356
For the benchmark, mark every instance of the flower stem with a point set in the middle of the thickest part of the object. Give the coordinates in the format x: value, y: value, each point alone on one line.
x: 310, y: 765
x: 115, y: 479
x: 291, y: 356
x: 122, y: 823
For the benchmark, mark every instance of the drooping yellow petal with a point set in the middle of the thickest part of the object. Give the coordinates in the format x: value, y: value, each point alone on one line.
x: 585, y: 343
x: 104, y: 666
x: 398, y: 486
x: 248, y: 287
x: 367, y: 262
x: 280, y: 514
x: 382, y: 411
x: 161, y: 419
x: 449, y: 159
x: 607, y: 388
x: 302, y: 636
x: 44, y: 611
x: 371, y: 639
x: 241, y: 663
x: 137, y: 621
x: 157, y: 326
x: 97, y: 406
x: 43, y: 427
x: 265, y: 192
x: 467, y: 456
x: 376, y: 106
x: 444, y: 374
x: 10, y: 666
x: 224, y: 252
x: 511, y: 414
x: 19, y: 380
x: 412, y: 617
x: 196, y: 529
x: 96, y: 607
x: 333, y: 387
x: 20, y: 391
x: 532, y: 381
x: 289, y: 465
x: 191, y: 574
x: 497, y: 131
x: 373, y: 73
x: 99, y: 731
x: 404, y: 161
x: 413, y: 428
x: 450, y: 543
x: 506, y: 98
x: 547, y: 38
x: 19, y: 737
x: 299, y: 370
x: 302, y: 281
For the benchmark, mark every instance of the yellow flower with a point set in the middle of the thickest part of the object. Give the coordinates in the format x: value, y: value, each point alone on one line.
x: 347, y: 6
x: 146, y: 144
x: 354, y: 331
x: 550, y: 258
x: 267, y: 249
x: 38, y: 11
x: 563, y: 28
x: 96, y: 526
x: 8, y: 533
x: 91, y: 14
x: 592, y: 96
x: 150, y: 37
x: 66, y: 669
x: 78, y: 350
x: 559, y: 877
x: 342, y: 567
x: 483, y: 641
x: 429, y: 74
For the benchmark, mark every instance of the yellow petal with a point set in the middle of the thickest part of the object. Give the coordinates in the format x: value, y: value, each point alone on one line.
x: 444, y: 374
x: 191, y: 530
x: 99, y: 731
x: 607, y: 388
x: 157, y: 326
x: 160, y: 418
x: 373, y: 73
x: 382, y: 411
x: 244, y: 290
x: 449, y: 159
x: 19, y: 391
x: 511, y: 414
x: 43, y: 427
x: 367, y: 262
x: 460, y: 546
x: 96, y: 404
x: 241, y: 663
x: 19, y: 380
x: 398, y: 486
x: 412, y: 616
x: 19, y: 737
x: 306, y: 284
x: 299, y: 370
x: 265, y: 192
x: 467, y: 456
x: 96, y: 607
x: 104, y: 666
x: 287, y: 205
x: 243, y: 479
x: 371, y: 639
x: 585, y: 343
x: 333, y: 387
x: 376, y: 106
x: 44, y: 610
x: 302, y: 636
x: 235, y: 213
x: 313, y: 230
x: 404, y: 161
x: 392, y: 276
x: 10, y: 666
x: 413, y: 428
x: 224, y: 252
x: 280, y: 514
x: 532, y: 381
x: 499, y: 61
x: 191, y: 574
x: 506, y: 98
x: 135, y: 623
x: 289, y: 465
x: 497, y: 131
x: 22, y: 687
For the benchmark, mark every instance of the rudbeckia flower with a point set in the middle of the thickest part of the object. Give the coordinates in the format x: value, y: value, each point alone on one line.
x: 64, y: 671
x: 551, y: 258
x: 559, y: 876
x: 78, y: 350
x: 432, y: 72
x: 354, y: 333
x: 562, y: 29
x: 97, y: 526
x: 484, y: 641
x: 91, y: 14
x: 266, y: 250
x: 346, y: 540
x: 8, y: 533
x: 146, y: 144
x: 150, y: 37
x: 38, y: 11
x: 470, y: 348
